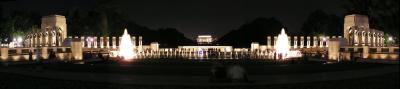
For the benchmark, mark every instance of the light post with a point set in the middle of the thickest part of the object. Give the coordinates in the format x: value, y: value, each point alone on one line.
x: 390, y: 41
x: 19, y: 41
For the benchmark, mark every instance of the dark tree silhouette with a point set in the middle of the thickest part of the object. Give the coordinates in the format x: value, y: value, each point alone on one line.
x: 321, y: 23
x: 18, y: 23
x: 254, y: 31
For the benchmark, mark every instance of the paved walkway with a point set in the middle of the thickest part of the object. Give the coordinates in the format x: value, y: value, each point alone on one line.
x: 198, y: 80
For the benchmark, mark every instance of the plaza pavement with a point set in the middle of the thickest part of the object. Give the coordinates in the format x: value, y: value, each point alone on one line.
x: 196, y: 80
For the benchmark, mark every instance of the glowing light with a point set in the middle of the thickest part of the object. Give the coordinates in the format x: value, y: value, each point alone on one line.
x: 282, y: 48
x: 390, y: 39
x: 126, y: 47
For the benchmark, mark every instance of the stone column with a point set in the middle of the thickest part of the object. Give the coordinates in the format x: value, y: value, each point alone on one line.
x: 140, y: 44
x: 54, y: 39
x: 382, y: 41
x: 101, y: 42
x: 315, y: 42
x: 46, y: 40
x: 295, y: 42
x: 321, y: 41
x: 95, y: 42
x: 32, y: 42
x: 76, y: 49
x: 83, y: 41
x: 290, y: 41
x: 45, y: 54
x: 275, y: 38
x: 89, y: 42
x: 333, y: 50
x: 302, y: 42
x: 355, y: 38
x: 40, y: 41
x: 363, y: 39
x: 114, y: 42
x: 308, y: 41
x: 370, y: 39
x: 107, y: 42
x: 327, y: 41
x: 269, y: 42
x: 134, y: 42
x: 60, y: 40
x: 119, y: 41
x: 365, y: 52
x: 373, y: 40
x: 4, y: 53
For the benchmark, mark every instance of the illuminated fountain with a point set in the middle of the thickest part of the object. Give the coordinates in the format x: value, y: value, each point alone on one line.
x: 126, y: 47
x: 282, y: 47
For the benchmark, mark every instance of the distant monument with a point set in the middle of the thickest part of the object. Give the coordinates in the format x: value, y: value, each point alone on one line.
x: 357, y: 32
x: 52, y: 33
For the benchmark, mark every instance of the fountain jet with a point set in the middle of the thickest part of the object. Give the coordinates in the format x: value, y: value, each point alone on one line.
x: 126, y: 47
x: 282, y: 46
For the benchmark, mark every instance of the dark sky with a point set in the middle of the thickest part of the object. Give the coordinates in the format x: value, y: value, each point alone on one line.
x: 194, y: 17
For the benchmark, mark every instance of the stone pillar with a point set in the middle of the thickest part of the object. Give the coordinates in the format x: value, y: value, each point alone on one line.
x: 114, y: 42
x: 290, y: 42
x: 269, y: 42
x: 46, y: 40
x: 119, y: 41
x: 76, y: 49
x: 134, y: 41
x: 365, y: 52
x: 83, y: 41
x: 45, y: 54
x: 376, y: 41
x: 308, y: 41
x: 140, y: 44
x: 60, y: 40
x: 295, y: 42
x: 302, y: 42
x: 275, y: 38
x: 327, y: 41
x: 315, y: 42
x: 355, y: 38
x: 382, y: 41
x: 32, y: 42
x: 107, y: 42
x: 40, y: 41
x: 4, y: 53
x: 54, y: 39
x: 101, y: 42
x: 333, y: 50
x: 88, y: 41
x: 95, y: 42
x: 19, y: 51
x: 373, y: 40
x: 321, y: 41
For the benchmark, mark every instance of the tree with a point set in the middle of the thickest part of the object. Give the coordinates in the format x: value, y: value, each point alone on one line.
x: 254, y: 31
x: 321, y: 23
x: 17, y: 24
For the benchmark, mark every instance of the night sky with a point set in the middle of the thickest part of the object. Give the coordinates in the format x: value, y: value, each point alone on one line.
x: 193, y: 17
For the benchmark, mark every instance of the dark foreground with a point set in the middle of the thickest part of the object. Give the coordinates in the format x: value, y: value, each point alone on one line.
x: 386, y: 81
x: 198, y: 68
